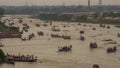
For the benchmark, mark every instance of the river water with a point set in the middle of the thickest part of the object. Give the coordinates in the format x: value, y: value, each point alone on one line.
x: 81, y: 56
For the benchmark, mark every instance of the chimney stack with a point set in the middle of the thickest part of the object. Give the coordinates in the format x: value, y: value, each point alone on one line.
x: 89, y: 5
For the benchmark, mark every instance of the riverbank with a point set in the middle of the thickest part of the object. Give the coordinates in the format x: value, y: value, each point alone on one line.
x: 95, y: 18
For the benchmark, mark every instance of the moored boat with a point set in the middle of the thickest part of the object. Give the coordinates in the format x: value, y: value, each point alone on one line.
x: 9, y: 60
x: 65, y: 48
x: 23, y: 58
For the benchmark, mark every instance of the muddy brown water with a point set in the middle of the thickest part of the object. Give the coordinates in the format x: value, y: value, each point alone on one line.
x: 81, y: 56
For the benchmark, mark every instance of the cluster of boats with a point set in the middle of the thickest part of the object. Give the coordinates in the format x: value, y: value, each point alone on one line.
x: 25, y: 27
x: 92, y: 45
x: 20, y: 58
x: 109, y: 50
x: 103, y: 26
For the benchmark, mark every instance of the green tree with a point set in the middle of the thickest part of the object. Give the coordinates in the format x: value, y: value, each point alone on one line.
x: 1, y: 12
x: 2, y: 55
x: 82, y: 18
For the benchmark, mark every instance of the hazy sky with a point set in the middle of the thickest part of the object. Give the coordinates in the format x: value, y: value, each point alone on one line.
x: 57, y: 2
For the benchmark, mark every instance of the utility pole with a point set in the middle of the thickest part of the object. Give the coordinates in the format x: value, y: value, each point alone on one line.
x: 100, y: 8
x: 100, y: 2
x: 100, y: 5
x: 89, y: 6
x: 26, y: 6
x: 63, y: 7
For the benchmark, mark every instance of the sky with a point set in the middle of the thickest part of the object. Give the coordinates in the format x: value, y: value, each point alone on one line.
x: 55, y: 2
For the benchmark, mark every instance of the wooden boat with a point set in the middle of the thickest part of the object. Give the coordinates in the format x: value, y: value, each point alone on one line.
x: 65, y: 48
x: 25, y: 60
x: 37, y: 25
x: 54, y: 29
x: 66, y: 37
x: 40, y: 33
x: 93, y: 45
x: 9, y: 60
x: 21, y: 58
x: 82, y: 32
x: 112, y: 49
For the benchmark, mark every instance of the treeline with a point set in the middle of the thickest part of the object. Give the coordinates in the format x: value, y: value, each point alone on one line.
x: 92, y: 18
x: 43, y: 9
x: 55, y: 17
x: 58, y: 9
x: 106, y: 18
x: 63, y: 17
x: 111, y: 14
x: 4, y: 28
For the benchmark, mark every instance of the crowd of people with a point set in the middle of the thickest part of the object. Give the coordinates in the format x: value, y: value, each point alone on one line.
x: 22, y: 58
